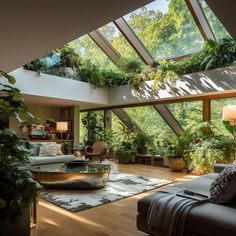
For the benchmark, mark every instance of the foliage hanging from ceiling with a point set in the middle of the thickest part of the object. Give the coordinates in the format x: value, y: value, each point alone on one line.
x: 214, y: 54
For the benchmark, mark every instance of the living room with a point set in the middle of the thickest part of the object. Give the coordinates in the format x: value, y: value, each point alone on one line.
x: 118, y: 118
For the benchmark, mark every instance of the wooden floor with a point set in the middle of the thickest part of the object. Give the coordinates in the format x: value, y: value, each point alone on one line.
x: 113, y: 219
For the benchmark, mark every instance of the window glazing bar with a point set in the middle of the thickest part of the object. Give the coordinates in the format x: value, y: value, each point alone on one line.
x: 200, y: 19
x: 127, y: 120
x: 134, y: 41
x: 106, y: 47
x: 169, y: 118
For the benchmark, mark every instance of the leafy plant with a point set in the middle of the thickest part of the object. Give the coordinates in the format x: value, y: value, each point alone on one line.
x: 141, y: 139
x: 129, y: 66
x: 16, y: 188
x: 94, y: 125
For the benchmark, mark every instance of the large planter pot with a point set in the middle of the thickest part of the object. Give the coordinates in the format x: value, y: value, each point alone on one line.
x: 21, y: 227
x: 126, y: 157
x: 142, y: 150
x: 177, y: 164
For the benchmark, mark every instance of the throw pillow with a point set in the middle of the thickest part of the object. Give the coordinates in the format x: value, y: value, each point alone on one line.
x: 59, y: 152
x: 34, y: 149
x: 48, y: 150
x: 223, y: 188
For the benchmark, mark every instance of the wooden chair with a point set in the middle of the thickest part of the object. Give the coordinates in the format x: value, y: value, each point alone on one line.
x: 99, y: 151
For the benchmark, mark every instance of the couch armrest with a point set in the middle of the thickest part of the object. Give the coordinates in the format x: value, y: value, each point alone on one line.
x: 219, y: 167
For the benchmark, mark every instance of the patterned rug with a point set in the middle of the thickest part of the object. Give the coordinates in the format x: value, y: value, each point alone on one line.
x: 119, y: 186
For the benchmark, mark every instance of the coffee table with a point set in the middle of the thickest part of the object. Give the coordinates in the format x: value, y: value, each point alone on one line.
x: 58, y: 176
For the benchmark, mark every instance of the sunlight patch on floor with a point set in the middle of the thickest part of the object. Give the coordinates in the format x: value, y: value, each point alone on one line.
x: 68, y: 214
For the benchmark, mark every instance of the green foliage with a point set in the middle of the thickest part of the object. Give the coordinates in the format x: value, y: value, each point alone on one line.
x: 16, y: 189
x: 141, y: 139
x: 129, y: 66
x: 93, y: 122
x: 215, y: 54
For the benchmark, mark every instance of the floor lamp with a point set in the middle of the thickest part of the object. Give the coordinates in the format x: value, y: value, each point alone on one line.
x: 229, y: 114
x: 62, y: 126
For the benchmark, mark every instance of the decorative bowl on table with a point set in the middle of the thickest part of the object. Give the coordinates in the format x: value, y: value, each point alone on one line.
x: 58, y: 176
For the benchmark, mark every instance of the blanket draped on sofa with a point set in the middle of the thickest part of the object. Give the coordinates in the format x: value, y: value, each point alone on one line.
x: 169, y: 209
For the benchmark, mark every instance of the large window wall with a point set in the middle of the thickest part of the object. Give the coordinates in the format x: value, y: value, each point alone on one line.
x: 150, y: 122
x: 187, y: 113
x: 216, y: 114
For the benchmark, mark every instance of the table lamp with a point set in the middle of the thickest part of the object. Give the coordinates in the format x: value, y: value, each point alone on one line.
x: 229, y: 114
x: 62, y: 126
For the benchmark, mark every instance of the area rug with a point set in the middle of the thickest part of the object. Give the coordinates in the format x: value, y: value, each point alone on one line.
x: 119, y: 186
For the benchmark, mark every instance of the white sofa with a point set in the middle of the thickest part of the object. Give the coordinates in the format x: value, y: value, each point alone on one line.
x: 35, y: 159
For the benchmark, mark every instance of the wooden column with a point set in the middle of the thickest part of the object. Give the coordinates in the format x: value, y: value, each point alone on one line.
x: 107, y: 119
x: 76, y: 126
x: 206, y: 111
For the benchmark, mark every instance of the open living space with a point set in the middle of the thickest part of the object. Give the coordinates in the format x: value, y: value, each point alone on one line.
x: 118, y: 118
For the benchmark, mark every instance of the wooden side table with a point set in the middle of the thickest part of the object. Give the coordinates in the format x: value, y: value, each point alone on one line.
x: 144, y: 157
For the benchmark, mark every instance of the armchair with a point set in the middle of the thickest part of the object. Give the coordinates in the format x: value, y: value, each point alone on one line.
x: 99, y: 151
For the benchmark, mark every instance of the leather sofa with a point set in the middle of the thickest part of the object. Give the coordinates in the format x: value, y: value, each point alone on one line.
x: 205, y: 220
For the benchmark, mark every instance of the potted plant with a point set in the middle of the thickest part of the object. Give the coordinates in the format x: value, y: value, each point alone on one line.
x: 174, y: 151
x: 17, y: 191
x: 140, y: 141
x: 125, y: 152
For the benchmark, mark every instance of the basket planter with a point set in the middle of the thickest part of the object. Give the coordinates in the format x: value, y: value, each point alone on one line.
x: 177, y: 164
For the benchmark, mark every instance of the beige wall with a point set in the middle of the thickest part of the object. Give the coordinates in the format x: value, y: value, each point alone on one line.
x: 39, y: 111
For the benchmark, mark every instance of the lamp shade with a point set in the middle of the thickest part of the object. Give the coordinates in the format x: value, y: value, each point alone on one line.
x: 229, y: 113
x: 62, y: 126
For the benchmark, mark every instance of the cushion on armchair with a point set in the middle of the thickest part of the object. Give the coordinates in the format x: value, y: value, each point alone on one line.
x: 223, y: 188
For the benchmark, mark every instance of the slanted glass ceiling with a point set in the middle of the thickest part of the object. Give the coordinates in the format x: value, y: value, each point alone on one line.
x: 218, y: 29
x: 87, y: 49
x: 118, y: 41
x: 166, y: 28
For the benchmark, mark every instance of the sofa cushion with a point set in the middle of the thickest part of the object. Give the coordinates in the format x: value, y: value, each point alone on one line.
x: 59, y: 152
x: 34, y: 149
x: 223, y: 189
x: 199, y: 185
x: 50, y: 159
x: 48, y: 149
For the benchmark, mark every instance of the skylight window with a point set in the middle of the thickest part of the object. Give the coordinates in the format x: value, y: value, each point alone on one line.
x: 118, y: 41
x: 166, y: 28
x: 218, y: 29
x: 87, y: 49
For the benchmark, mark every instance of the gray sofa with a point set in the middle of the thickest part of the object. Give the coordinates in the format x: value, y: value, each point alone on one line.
x: 205, y: 220
x: 35, y: 159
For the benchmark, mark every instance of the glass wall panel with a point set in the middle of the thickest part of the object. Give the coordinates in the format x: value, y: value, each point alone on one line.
x: 216, y: 114
x: 218, y: 29
x: 187, y: 113
x: 118, y: 41
x: 88, y: 50
x: 150, y: 122
x: 166, y: 28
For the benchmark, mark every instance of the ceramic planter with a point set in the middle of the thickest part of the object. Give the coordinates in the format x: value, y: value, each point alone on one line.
x: 177, y: 164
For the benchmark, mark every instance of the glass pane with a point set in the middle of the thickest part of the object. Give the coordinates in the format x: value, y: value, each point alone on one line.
x: 218, y: 29
x: 166, y: 28
x: 118, y: 41
x: 216, y: 114
x: 187, y: 113
x: 88, y: 50
x: 150, y: 122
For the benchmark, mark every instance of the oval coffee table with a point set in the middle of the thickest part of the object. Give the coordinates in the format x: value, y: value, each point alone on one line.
x: 58, y: 176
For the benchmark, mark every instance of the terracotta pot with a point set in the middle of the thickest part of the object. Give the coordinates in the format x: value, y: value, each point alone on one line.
x: 177, y: 164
